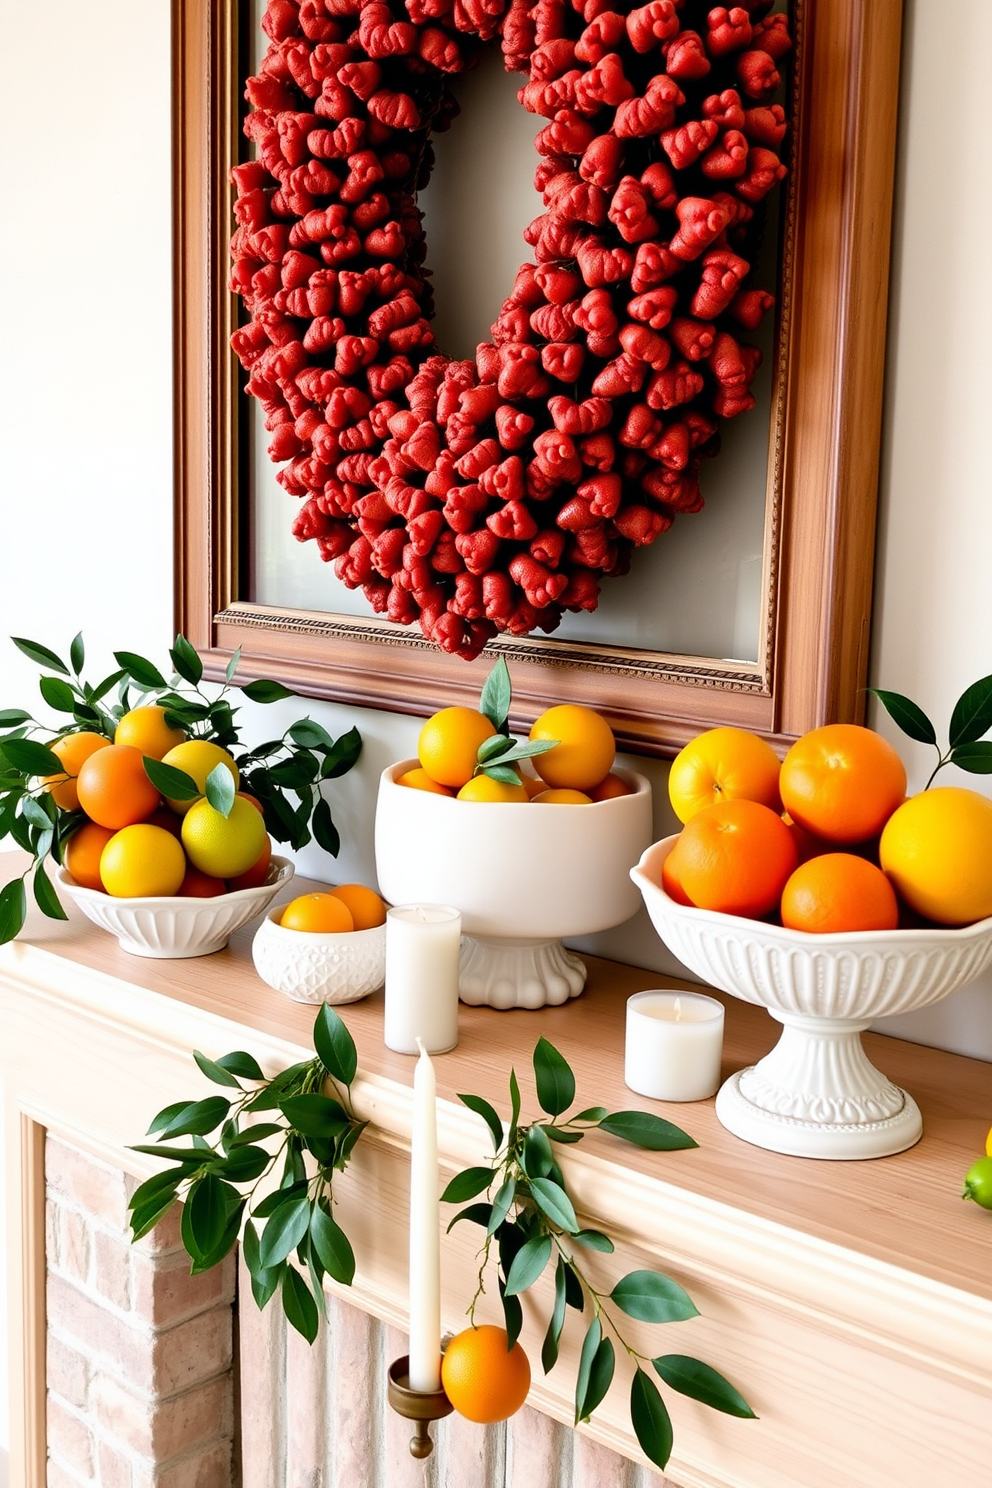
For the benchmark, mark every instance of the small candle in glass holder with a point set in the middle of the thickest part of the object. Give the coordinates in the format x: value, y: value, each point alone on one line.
x: 673, y: 1045
x: 423, y: 942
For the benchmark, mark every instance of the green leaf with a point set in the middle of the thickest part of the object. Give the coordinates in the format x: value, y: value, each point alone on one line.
x: 32, y: 758
x: 279, y: 1197
x: 315, y: 1115
x: 600, y: 1377
x: 240, y: 1063
x: 908, y: 715
x: 976, y: 758
x: 197, y: 1118
x: 57, y: 694
x: 96, y: 694
x: 552, y: 1338
x: 77, y: 653
x: 334, y: 1045
x: 694, y: 1378
x: 45, y: 896
x: 297, y: 1299
x: 264, y: 1280
x: 193, y: 1157
x: 155, y: 1188
x: 215, y: 1072
x: 467, y: 1184
x: 40, y: 654
x: 591, y: 1113
x: 650, y: 1419
x: 173, y: 783
x: 479, y: 1214
x: 555, y: 1081
x: 309, y: 734
x: 284, y: 1231
x: 207, y: 1208
x: 494, y: 700
x: 514, y: 1106
x: 591, y: 1342
x: 653, y: 1298
x: 528, y: 749
x: 574, y: 1295
x: 344, y: 754
x: 528, y: 1264
x: 264, y: 691
x: 13, y: 717
x: 225, y: 1244
x: 489, y: 1115
x: 220, y: 790
x: 325, y: 832
x: 553, y: 1201
x: 244, y: 1163
x: 644, y: 1130
x: 332, y: 1245
x: 594, y: 1240
x: 257, y: 1133
x: 563, y: 1134
x: 144, y: 672
x: 536, y: 1158
x: 505, y: 774
x: 972, y: 713
x: 186, y: 661
x: 295, y: 773
x: 232, y: 665
x: 513, y: 1315
x: 35, y: 813
x: 148, y: 1215
x: 505, y: 1195
x: 491, y: 749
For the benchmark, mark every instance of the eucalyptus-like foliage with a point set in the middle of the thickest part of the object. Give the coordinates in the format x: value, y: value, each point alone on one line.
x: 530, y: 1221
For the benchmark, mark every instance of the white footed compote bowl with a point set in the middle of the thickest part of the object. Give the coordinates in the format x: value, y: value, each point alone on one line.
x: 816, y: 1094
x: 522, y: 875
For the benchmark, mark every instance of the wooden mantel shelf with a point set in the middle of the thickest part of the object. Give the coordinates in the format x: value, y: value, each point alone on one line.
x: 851, y: 1302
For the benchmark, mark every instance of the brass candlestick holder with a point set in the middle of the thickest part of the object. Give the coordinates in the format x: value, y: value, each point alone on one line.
x: 420, y: 1406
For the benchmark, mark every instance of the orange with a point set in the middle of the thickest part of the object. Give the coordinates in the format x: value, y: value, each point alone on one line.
x: 246, y: 796
x: 842, y: 782
x: 735, y: 857
x: 196, y: 758
x: 584, y: 753
x: 607, y: 789
x: 140, y: 860
x: 223, y: 846
x: 835, y: 892
x: 448, y: 747
x: 367, y: 909
x: 937, y: 850
x: 317, y: 914
x: 670, y: 881
x: 113, y: 788
x: 197, y: 885
x: 72, y: 750
x: 485, y: 1381
x: 485, y: 788
x: 562, y: 797
x: 723, y: 764
x: 255, y: 876
x: 163, y: 817
x: 532, y: 784
x: 81, y: 854
x: 419, y: 779
x: 145, y: 728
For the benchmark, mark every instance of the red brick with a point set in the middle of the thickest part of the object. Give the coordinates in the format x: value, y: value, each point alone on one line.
x: 115, y: 1468
x: 68, y: 1371
x: 595, y: 1466
x: 535, y: 1447
x: 163, y: 1292
x: 211, y: 1468
x: 89, y: 1184
x: 161, y: 1429
x: 70, y: 1438
x: 193, y: 1351
x: 112, y: 1269
x: 262, y: 1345
x: 75, y: 1243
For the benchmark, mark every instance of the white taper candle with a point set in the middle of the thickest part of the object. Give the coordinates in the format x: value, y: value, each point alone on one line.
x: 425, y: 1249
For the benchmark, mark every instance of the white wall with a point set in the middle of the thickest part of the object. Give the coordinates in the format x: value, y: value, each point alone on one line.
x: 85, y: 415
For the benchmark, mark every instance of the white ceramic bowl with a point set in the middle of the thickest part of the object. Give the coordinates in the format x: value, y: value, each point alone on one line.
x: 173, y: 927
x: 816, y: 1093
x: 312, y: 967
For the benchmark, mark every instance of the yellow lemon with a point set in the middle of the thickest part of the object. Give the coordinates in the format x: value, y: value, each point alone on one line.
x: 196, y: 758
x: 223, y: 846
x: 141, y: 860
x: 937, y: 850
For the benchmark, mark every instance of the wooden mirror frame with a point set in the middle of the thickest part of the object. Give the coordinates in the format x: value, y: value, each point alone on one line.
x: 823, y: 446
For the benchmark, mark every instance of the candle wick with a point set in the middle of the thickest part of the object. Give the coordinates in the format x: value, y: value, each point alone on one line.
x: 420, y: 1044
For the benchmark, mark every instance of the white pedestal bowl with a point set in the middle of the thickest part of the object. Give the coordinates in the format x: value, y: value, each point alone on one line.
x: 522, y: 875
x: 816, y: 1094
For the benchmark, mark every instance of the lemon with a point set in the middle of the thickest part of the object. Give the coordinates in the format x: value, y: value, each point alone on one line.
x: 145, y: 728
x: 223, y: 846
x: 484, y: 788
x: 196, y: 758
x: 141, y: 860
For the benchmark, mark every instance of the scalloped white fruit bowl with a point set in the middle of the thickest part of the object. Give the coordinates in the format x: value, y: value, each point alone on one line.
x: 170, y: 927
x: 816, y: 1094
x: 522, y: 875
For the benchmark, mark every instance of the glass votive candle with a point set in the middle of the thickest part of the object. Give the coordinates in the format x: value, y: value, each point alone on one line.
x: 423, y: 942
x: 674, y: 1041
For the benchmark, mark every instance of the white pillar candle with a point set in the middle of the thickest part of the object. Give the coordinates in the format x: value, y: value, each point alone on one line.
x: 422, y: 947
x: 674, y: 1043
x: 425, y: 1250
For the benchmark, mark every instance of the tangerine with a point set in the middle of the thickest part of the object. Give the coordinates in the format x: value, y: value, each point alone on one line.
x: 532, y: 784
x: 842, y: 782
x: 367, y: 908
x: 561, y: 797
x: 113, y: 788
x: 196, y: 758
x: 484, y: 1379
x: 317, y: 914
x: 81, y: 854
x: 670, y: 881
x: 140, y: 860
x: 723, y: 764
x: 197, y: 885
x: 223, y: 846
x: 448, y: 747
x: 256, y: 875
x: 735, y: 857
x: 836, y: 892
x: 584, y: 749
x: 485, y: 788
x: 145, y: 728
x: 937, y: 850
x: 418, y: 779
x: 72, y: 750
x: 614, y: 785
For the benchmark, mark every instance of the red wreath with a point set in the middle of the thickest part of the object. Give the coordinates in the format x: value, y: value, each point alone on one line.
x: 493, y: 495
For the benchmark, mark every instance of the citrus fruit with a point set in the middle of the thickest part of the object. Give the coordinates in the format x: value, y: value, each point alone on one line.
x: 223, y: 846
x: 72, y: 750
x: 145, y: 728
x: 670, y: 881
x: 419, y: 779
x: 197, y: 885
x: 532, y: 784
x: 735, y: 857
x: 485, y: 788
x: 113, y: 788
x: 81, y: 854
x: 163, y: 817
x: 317, y: 914
x: 835, y: 892
x: 196, y: 758
x: 937, y: 850
x: 484, y: 1380
x: 367, y: 908
x: 140, y: 860
x: 246, y: 796
x: 988, y: 1143
x: 561, y: 797
x: 607, y: 789
x: 723, y: 764
x: 977, y: 1186
x: 255, y: 876
x: 448, y: 747
x: 842, y: 782
x: 584, y: 753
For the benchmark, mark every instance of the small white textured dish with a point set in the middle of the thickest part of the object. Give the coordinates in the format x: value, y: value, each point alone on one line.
x: 311, y: 967
x: 174, y: 927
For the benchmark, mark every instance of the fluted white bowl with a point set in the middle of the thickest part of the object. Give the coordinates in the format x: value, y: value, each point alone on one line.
x: 167, y: 927
x: 309, y: 966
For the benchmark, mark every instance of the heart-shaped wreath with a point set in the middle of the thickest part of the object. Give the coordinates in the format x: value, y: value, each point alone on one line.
x: 488, y: 496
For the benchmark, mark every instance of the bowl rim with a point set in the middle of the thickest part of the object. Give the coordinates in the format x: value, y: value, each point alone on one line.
x: 642, y: 786
x: 901, y: 939
x: 174, y: 901
x: 299, y: 936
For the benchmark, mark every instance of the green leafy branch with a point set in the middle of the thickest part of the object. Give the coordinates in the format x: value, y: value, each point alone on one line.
x: 310, y: 1138
x: 528, y: 1216
x: 499, y: 755
x: 971, y: 719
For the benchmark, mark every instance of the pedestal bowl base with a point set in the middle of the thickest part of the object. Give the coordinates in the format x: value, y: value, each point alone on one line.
x: 504, y: 973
